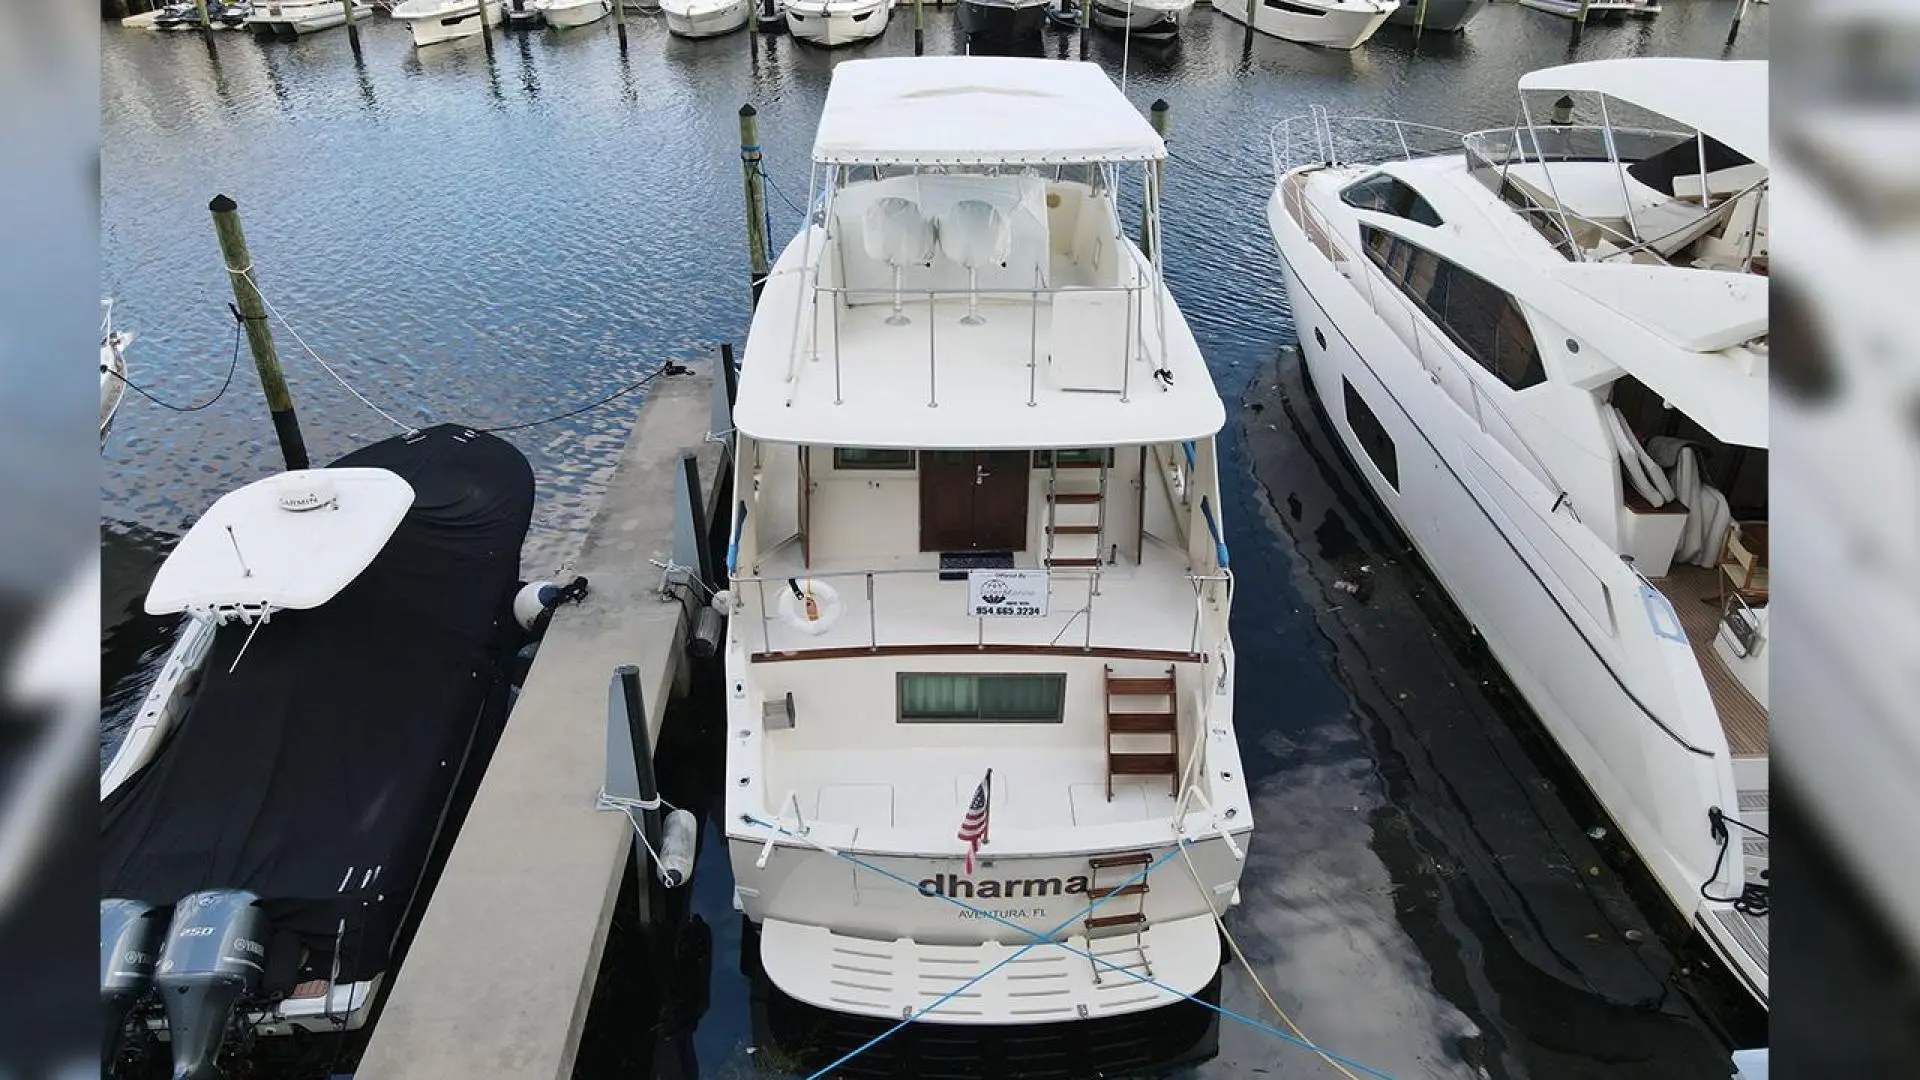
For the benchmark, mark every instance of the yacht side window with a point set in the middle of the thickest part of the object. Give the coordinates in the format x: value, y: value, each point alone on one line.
x: 1390, y: 195
x: 1476, y: 315
x: 855, y: 457
x: 963, y: 698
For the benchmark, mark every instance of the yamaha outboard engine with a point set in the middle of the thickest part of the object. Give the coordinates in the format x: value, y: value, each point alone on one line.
x: 129, y: 948
x: 214, y: 961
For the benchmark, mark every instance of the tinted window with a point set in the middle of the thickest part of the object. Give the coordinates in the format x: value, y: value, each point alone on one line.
x: 854, y: 457
x: 1388, y: 195
x: 927, y: 697
x: 1474, y: 313
x: 1373, y: 437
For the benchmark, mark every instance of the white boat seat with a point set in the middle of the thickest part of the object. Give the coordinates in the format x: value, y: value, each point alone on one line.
x: 975, y: 234
x: 895, y: 232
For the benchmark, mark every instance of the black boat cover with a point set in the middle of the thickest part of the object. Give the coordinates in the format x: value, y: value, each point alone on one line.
x: 316, y: 774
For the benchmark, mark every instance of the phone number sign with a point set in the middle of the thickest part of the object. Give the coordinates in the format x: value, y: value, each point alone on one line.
x: 1006, y: 594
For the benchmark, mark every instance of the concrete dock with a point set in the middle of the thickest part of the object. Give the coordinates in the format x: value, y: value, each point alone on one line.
x: 499, y: 977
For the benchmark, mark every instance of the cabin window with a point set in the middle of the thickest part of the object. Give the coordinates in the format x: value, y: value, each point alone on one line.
x: 1390, y: 195
x: 936, y: 698
x: 1476, y: 315
x: 854, y: 457
x: 1372, y: 436
x: 1297, y: 9
x: 1097, y: 456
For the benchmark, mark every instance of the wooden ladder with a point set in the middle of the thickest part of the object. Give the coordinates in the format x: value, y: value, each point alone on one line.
x: 1132, y: 719
x: 1088, y: 543
x: 1113, y: 936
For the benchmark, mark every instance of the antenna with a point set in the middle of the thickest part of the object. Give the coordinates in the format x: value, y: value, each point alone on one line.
x: 1126, y: 44
x: 245, y: 570
x: 265, y: 611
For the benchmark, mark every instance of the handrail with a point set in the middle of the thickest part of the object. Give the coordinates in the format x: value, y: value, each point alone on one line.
x: 1081, y: 611
x: 1032, y: 295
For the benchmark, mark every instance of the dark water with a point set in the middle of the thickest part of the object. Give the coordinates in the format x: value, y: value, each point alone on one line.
x: 498, y: 238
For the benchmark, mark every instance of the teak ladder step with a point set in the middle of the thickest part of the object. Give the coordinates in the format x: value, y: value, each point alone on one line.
x: 1080, y: 463
x: 1102, y: 922
x: 1135, y: 722
x: 1134, y: 889
x: 1120, y: 930
x: 1074, y: 530
x: 1076, y: 562
x: 1078, y: 498
x: 1140, y: 723
x: 1131, y: 858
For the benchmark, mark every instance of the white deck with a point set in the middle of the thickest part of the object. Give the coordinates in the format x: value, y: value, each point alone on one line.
x: 937, y: 382
x: 894, y: 979
x: 1034, y: 788
x: 1150, y: 606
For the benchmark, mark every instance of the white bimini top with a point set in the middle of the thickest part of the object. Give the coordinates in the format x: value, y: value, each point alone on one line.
x: 979, y: 110
x: 1727, y: 99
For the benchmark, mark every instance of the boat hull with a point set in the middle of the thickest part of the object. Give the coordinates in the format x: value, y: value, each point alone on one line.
x: 703, y: 18
x: 292, y: 20
x: 1009, y: 22
x: 1461, y: 514
x: 573, y: 15
x: 450, y: 24
x: 834, y: 22
x: 1446, y: 16
x: 1156, y: 20
x: 1334, y: 24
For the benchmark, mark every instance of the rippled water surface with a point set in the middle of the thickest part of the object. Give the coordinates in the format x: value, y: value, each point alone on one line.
x: 496, y: 237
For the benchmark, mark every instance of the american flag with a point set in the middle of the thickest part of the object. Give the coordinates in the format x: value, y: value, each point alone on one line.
x: 973, y: 827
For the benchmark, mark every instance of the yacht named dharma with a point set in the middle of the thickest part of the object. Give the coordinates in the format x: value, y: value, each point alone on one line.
x: 980, y: 680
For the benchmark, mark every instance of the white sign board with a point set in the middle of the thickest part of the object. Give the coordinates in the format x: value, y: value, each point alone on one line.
x: 1006, y: 594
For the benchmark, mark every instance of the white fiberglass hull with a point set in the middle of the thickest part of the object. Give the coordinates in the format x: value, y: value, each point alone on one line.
x: 433, y: 24
x: 1627, y: 704
x: 1145, y: 18
x: 290, y: 20
x: 564, y: 16
x: 1331, y: 24
x: 705, y: 18
x: 837, y: 22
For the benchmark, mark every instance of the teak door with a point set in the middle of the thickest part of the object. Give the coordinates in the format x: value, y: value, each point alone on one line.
x: 973, y: 500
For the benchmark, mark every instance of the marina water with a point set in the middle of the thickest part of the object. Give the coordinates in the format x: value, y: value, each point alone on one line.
x: 496, y: 237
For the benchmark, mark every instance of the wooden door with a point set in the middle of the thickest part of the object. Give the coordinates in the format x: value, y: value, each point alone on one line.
x: 973, y: 500
x: 1000, y: 500
x: 946, y: 500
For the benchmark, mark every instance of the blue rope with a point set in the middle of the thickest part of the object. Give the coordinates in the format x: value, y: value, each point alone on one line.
x: 1258, y: 1025
x: 1037, y: 941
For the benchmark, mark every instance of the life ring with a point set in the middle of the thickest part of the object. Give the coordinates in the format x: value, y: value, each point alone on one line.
x: 793, y: 605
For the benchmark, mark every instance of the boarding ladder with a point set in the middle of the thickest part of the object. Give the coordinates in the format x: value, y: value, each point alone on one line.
x: 1077, y: 543
x: 1113, y: 936
x: 1141, y: 710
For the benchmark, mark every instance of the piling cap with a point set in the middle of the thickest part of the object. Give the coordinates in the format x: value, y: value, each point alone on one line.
x: 749, y: 110
x: 221, y: 204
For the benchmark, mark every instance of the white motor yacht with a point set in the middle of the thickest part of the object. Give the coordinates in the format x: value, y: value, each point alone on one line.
x: 435, y: 21
x: 980, y: 716
x: 705, y: 18
x: 113, y: 369
x: 1332, y: 24
x: 837, y: 22
x: 566, y: 14
x: 291, y: 18
x: 1546, y: 349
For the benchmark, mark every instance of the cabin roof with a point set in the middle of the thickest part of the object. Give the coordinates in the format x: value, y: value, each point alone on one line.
x: 979, y: 110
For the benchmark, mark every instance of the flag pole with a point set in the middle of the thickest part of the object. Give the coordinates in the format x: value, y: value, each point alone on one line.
x: 986, y: 830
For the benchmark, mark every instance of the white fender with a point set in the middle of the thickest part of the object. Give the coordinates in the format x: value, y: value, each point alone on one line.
x: 1646, y: 475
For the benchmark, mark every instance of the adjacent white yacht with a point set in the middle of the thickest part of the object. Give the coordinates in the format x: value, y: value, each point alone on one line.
x: 978, y: 581
x: 1332, y: 24
x: 705, y: 18
x: 434, y: 21
x: 1546, y: 349
x: 566, y: 14
x: 1141, y: 18
x: 837, y: 22
x: 291, y: 18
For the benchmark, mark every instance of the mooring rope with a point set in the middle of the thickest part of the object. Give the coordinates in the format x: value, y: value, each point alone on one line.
x: 233, y: 364
x: 1336, y: 1059
x: 328, y: 368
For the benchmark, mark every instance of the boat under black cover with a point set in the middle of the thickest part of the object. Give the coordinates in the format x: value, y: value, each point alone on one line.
x: 317, y: 774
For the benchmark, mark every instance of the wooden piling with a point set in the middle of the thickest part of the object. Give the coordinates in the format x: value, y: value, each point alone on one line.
x: 353, y: 26
x: 1739, y: 13
x: 651, y: 895
x: 1086, y: 27
x: 253, y: 312
x: 1157, y: 115
x: 1580, y: 21
x: 201, y: 7
x: 755, y: 181
x: 620, y: 24
x: 1419, y: 19
x: 919, y: 28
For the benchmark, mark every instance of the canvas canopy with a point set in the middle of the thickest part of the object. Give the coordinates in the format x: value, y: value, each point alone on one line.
x: 979, y: 110
x: 1727, y: 99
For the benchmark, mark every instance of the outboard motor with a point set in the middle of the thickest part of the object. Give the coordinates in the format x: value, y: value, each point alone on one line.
x: 129, y: 949
x: 214, y: 961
